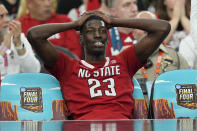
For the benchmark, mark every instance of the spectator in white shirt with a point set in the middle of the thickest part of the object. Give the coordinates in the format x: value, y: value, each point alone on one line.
x: 188, y: 46
x: 16, y: 54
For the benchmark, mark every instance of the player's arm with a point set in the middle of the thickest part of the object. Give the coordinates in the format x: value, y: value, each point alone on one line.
x: 156, y: 30
x: 38, y: 36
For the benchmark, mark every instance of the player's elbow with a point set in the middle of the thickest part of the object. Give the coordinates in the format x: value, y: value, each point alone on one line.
x: 166, y: 27
x: 32, y: 35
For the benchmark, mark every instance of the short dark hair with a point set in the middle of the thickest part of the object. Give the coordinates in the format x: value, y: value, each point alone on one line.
x: 94, y: 17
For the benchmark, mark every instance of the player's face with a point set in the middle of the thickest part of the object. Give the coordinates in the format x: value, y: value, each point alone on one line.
x: 125, y: 8
x: 94, y: 37
x: 4, y: 21
x: 40, y: 8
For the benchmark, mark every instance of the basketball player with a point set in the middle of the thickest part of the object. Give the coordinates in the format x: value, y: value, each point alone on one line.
x: 98, y: 87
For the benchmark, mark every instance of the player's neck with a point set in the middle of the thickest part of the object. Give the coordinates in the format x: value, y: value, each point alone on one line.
x: 94, y: 58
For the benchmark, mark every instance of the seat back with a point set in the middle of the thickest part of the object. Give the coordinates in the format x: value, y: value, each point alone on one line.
x: 67, y: 52
x: 31, y: 96
x: 140, y: 108
x: 174, y: 95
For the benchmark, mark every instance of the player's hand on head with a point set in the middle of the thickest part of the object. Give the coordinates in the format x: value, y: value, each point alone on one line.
x: 105, y: 17
x: 82, y: 19
x: 86, y: 15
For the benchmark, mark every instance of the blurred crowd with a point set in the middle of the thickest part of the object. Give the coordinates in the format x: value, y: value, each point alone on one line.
x: 175, y: 47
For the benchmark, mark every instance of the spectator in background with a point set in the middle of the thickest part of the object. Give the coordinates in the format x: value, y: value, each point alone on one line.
x: 23, y: 8
x: 12, y: 7
x: 120, y: 38
x: 93, y: 4
x: 188, y: 46
x: 16, y: 54
x: 177, y: 13
x: 40, y: 12
x: 75, y: 8
x: 142, y: 5
x: 103, y: 6
x: 151, y: 5
x: 75, y: 13
x: 162, y: 60
x: 64, y: 6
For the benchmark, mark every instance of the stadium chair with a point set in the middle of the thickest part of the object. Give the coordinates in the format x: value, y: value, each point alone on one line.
x: 140, y: 108
x: 67, y: 52
x: 31, y: 96
x: 174, y: 95
x: 61, y: 49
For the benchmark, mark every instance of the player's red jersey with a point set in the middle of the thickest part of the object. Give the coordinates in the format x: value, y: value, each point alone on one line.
x: 68, y: 39
x: 98, y: 90
x: 127, y: 40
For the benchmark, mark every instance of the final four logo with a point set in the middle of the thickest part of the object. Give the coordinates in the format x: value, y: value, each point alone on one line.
x: 31, y: 99
x: 187, y: 95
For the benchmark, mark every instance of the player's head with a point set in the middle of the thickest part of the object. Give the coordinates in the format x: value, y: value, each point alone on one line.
x: 138, y: 34
x: 4, y: 21
x: 93, y: 35
x: 123, y: 8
